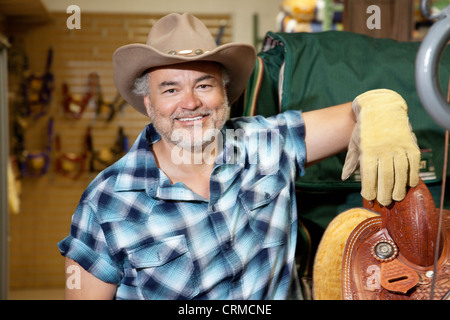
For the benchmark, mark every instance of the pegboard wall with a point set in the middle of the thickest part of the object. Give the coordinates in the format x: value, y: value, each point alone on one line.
x: 48, y: 201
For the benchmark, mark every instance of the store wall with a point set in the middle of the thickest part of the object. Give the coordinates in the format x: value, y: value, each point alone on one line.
x: 47, y: 202
x: 240, y: 11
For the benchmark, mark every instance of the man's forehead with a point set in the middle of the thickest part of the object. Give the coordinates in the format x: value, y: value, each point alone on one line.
x: 174, y: 74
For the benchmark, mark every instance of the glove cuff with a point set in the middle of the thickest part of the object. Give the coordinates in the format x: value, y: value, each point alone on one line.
x: 378, y: 98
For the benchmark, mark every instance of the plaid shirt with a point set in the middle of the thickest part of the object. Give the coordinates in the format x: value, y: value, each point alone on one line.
x: 156, y: 240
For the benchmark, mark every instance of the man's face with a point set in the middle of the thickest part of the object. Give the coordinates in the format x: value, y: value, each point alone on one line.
x: 188, y: 103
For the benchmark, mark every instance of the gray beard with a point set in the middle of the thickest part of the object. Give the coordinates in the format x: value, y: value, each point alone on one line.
x: 181, y: 139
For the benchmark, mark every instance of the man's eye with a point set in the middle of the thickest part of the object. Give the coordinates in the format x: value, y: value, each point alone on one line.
x: 170, y: 91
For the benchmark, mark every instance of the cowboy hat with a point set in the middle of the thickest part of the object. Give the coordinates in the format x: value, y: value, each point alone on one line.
x: 178, y: 38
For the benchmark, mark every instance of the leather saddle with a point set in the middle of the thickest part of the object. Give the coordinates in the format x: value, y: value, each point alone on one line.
x: 391, y: 256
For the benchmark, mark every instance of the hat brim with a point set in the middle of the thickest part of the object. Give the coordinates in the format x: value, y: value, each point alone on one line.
x: 130, y: 61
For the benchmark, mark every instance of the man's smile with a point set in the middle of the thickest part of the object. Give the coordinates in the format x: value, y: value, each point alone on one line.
x: 190, y: 119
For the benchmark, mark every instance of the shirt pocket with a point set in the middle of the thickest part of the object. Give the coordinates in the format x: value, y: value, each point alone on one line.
x: 165, y: 270
x: 267, y: 203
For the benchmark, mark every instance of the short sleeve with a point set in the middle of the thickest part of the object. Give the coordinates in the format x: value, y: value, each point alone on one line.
x: 292, y: 128
x: 295, y: 136
x: 87, y: 246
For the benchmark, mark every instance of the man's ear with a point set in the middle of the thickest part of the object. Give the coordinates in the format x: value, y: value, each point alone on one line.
x: 147, y: 103
x: 225, y: 90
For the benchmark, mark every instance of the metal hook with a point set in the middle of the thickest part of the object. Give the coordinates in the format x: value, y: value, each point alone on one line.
x: 425, y: 10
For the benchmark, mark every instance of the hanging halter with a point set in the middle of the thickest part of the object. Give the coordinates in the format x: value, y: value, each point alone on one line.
x: 100, y: 159
x: 74, y: 107
x: 37, y: 90
x: 70, y: 164
x: 104, y: 109
x: 36, y: 164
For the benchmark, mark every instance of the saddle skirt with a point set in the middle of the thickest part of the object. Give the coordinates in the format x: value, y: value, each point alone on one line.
x: 391, y: 256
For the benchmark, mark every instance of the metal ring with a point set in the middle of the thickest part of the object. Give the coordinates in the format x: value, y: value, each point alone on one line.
x: 427, y: 69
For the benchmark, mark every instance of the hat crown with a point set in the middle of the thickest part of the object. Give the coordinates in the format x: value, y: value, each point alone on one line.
x: 175, y: 33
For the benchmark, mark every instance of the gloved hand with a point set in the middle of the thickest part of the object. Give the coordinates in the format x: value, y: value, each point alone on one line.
x: 383, y: 146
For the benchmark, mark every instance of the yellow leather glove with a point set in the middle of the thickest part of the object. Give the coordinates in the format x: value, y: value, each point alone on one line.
x: 383, y: 146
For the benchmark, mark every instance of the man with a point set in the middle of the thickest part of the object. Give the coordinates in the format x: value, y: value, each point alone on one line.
x: 202, y: 207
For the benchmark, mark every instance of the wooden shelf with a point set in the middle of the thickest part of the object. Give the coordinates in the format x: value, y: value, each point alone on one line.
x: 24, y: 11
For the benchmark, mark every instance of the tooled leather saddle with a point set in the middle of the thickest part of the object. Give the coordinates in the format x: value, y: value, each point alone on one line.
x: 392, y: 256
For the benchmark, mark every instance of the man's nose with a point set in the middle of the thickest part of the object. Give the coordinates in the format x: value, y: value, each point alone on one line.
x: 190, y: 100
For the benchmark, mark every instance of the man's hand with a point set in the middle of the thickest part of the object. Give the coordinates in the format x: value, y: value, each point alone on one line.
x: 383, y: 146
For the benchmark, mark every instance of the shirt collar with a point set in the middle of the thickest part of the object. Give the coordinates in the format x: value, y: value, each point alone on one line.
x: 135, y: 173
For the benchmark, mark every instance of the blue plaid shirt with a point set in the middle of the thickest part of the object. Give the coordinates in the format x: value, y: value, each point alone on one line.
x: 156, y: 240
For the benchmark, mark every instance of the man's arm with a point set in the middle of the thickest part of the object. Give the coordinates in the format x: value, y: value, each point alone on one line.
x: 328, y: 131
x: 89, y: 288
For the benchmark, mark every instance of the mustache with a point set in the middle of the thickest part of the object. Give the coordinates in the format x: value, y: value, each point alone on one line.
x: 192, y: 114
